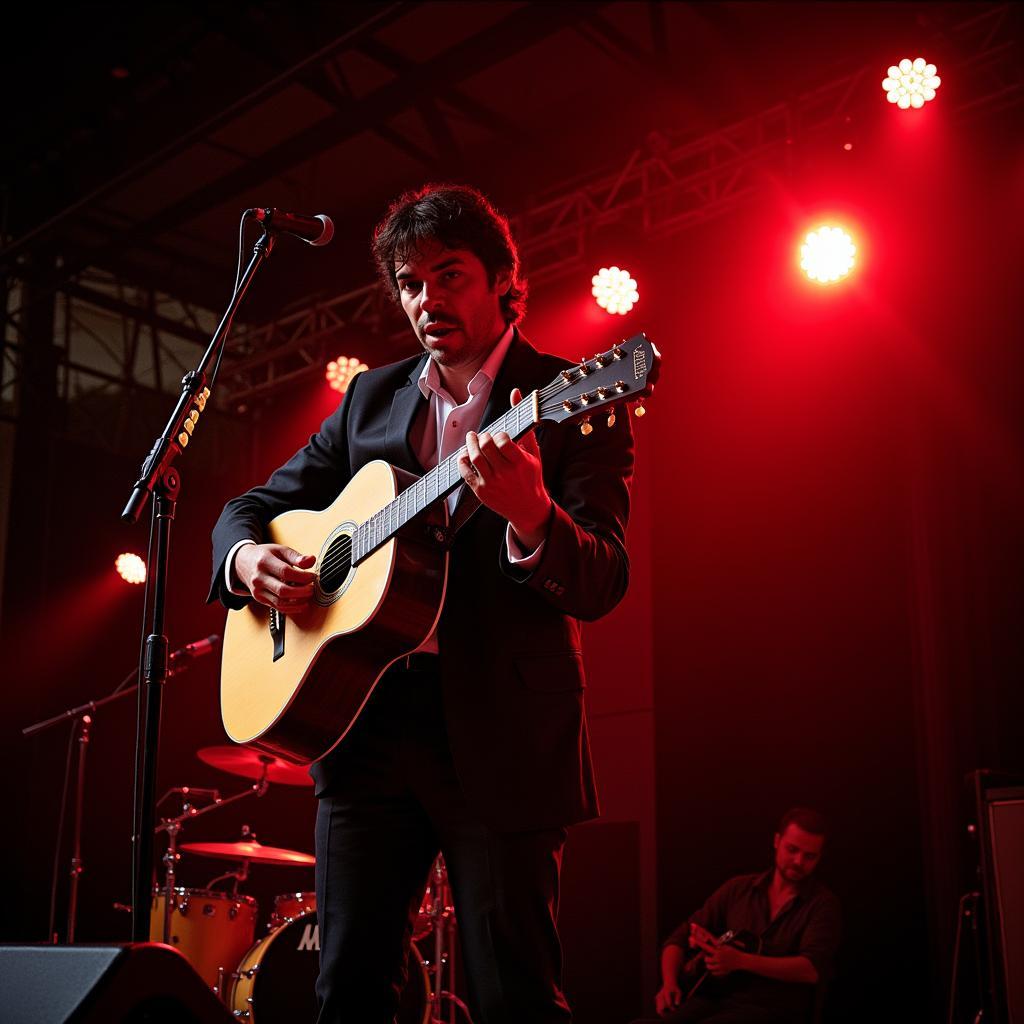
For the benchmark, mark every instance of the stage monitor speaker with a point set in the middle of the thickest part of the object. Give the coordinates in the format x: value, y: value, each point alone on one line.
x: 139, y: 983
x: 1003, y: 880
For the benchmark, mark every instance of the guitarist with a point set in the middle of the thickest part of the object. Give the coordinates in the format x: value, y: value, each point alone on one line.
x: 761, y: 943
x: 476, y: 745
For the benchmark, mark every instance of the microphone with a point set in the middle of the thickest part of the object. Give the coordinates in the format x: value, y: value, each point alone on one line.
x: 198, y: 649
x: 318, y: 230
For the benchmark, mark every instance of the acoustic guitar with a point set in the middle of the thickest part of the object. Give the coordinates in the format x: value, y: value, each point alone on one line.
x: 294, y: 685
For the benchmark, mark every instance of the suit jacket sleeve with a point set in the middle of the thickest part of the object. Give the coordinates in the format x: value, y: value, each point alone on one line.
x: 312, y: 478
x: 584, y: 569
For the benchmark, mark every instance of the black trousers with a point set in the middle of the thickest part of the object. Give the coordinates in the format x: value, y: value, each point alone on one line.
x: 392, y: 804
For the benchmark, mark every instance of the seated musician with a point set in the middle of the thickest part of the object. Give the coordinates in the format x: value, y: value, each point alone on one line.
x: 762, y: 944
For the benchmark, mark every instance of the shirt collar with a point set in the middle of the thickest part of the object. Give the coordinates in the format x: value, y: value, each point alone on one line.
x: 430, y: 377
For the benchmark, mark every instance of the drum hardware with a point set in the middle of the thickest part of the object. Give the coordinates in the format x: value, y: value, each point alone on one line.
x: 173, y: 826
x: 82, y: 718
x: 440, y: 911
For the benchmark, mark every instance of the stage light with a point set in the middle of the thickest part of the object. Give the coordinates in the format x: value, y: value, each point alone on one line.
x: 827, y: 255
x: 341, y: 370
x: 131, y: 568
x: 911, y: 83
x: 614, y: 290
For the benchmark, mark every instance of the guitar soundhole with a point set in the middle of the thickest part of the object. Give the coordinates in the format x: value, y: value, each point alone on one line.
x: 336, y: 564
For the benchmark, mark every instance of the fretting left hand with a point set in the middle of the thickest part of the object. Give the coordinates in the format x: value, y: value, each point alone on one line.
x: 506, y: 476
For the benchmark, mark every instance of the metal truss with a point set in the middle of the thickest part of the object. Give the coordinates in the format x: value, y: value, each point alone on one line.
x: 666, y: 186
x: 260, y: 359
x: 108, y: 338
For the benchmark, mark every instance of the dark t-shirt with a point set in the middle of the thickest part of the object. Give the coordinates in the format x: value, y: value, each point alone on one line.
x: 808, y: 926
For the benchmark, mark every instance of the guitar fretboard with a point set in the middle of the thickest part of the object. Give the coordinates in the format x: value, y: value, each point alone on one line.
x: 430, y: 487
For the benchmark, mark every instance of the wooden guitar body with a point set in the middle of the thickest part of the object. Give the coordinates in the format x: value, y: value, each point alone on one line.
x: 294, y: 685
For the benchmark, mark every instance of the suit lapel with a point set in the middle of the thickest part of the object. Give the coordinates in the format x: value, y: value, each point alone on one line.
x: 514, y: 372
x: 404, y: 406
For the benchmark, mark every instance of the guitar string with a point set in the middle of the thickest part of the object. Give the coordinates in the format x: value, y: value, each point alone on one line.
x: 343, y: 553
x: 334, y: 560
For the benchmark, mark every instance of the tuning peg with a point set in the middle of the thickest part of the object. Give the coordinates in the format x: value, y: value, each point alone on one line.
x: 639, y: 410
x: 183, y: 439
x: 611, y: 418
x: 586, y: 427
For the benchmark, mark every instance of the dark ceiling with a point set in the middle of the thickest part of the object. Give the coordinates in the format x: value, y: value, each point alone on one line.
x: 135, y: 134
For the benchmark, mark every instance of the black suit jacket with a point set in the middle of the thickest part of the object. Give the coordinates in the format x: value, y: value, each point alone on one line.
x: 511, y: 660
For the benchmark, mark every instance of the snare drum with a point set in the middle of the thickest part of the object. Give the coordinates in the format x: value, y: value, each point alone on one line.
x: 290, y: 906
x: 211, y: 929
x: 275, y: 982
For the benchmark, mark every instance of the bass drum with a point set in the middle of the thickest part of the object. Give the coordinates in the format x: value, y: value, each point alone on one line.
x: 275, y: 982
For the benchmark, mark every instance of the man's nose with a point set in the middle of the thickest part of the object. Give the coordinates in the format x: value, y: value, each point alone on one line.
x: 431, y: 300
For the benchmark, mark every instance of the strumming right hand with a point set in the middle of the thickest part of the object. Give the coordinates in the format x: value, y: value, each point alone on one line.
x: 276, y: 575
x: 668, y: 999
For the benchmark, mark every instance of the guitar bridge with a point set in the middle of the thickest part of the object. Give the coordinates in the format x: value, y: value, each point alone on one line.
x: 277, y: 621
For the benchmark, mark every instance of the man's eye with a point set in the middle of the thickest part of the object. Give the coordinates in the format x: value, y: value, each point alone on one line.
x: 410, y: 286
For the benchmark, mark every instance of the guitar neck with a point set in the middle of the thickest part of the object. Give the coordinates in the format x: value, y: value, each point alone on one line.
x: 434, y: 485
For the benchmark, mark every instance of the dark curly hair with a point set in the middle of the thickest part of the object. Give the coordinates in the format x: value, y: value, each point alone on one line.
x: 805, y: 818
x: 457, y: 217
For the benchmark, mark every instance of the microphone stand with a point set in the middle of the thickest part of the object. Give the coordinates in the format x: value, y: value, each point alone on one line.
x: 159, y: 478
x: 82, y: 722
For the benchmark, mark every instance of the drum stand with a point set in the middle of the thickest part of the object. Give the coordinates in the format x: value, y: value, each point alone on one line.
x: 442, y: 913
x: 172, y: 826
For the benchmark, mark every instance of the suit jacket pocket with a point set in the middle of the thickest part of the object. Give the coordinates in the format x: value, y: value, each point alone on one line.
x: 551, y: 673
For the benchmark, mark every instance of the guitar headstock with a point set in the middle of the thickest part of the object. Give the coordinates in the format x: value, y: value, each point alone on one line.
x: 625, y: 373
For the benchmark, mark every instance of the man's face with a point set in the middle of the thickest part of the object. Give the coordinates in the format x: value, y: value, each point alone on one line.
x: 454, y: 310
x: 797, y: 853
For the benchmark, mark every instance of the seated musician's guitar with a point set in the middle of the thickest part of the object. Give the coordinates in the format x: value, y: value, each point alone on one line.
x: 696, y: 969
x: 294, y: 685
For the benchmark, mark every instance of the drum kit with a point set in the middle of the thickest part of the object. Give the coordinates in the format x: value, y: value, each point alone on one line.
x: 271, y: 979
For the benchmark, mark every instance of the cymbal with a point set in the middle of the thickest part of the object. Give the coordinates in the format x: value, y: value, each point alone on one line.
x: 250, y: 763
x: 251, y: 851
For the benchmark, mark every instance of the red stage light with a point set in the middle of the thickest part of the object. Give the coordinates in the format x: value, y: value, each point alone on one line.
x: 341, y: 370
x: 827, y: 255
x: 131, y: 568
x: 911, y: 83
x: 614, y: 290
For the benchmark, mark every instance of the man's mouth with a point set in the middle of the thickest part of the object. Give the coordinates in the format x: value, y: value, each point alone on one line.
x: 438, y: 330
